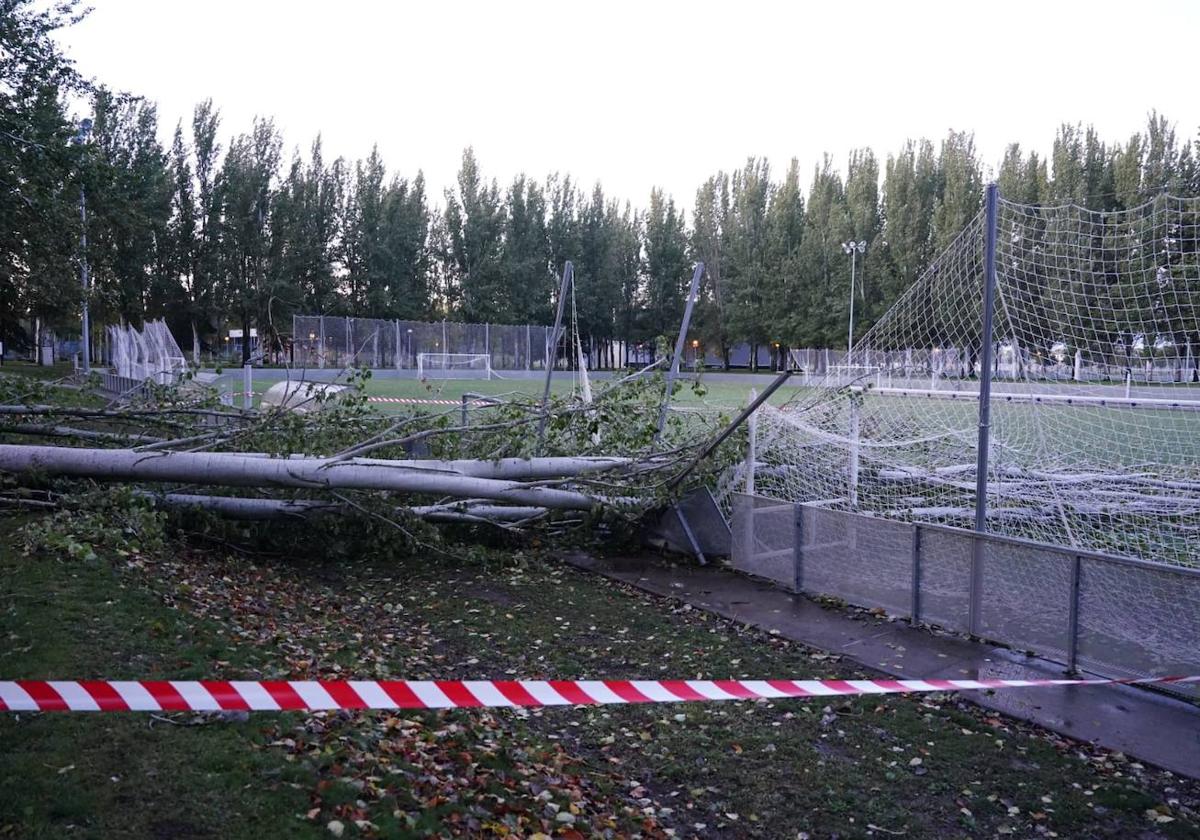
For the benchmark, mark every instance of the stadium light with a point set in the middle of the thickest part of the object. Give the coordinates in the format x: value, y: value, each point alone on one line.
x: 80, y: 139
x: 853, y: 249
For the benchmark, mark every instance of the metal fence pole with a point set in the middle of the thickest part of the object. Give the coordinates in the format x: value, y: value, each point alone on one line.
x: 991, y: 204
x: 693, y: 290
x: 798, y: 549
x: 751, y: 445
x: 1073, y: 616
x: 915, y: 609
x: 568, y: 277
x: 855, y: 426
x: 247, y: 387
x: 321, y: 350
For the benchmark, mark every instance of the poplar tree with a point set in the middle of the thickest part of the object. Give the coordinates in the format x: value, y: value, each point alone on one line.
x: 666, y: 268
x: 474, y: 241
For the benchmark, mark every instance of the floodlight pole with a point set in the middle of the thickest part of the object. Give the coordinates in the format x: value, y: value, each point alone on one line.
x: 80, y: 139
x: 693, y: 289
x: 991, y: 210
x: 568, y: 277
x: 853, y: 249
x: 86, y: 324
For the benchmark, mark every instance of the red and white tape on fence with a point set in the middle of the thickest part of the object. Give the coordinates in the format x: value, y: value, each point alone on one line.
x: 211, y: 695
x: 418, y: 401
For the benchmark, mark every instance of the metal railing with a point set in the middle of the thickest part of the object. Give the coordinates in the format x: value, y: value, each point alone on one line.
x: 125, y: 386
x: 1105, y: 614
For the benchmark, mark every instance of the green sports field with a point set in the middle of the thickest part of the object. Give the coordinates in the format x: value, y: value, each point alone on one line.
x: 719, y: 394
x: 722, y: 395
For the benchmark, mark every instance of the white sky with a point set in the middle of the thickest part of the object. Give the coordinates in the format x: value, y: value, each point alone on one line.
x: 649, y: 93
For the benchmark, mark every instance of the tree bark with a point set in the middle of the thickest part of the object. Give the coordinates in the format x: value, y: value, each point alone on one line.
x: 231, y: 470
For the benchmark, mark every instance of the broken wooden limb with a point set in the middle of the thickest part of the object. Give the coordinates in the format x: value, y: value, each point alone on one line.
x: 236, y: 507
x: 34, y: 429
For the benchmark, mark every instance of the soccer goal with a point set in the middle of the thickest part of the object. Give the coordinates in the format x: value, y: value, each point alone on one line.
x: 454, y: 366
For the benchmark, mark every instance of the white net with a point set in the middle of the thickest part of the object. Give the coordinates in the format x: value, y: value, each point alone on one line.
x: 444, y: 365
x: 1095, y: 409
x: 148, y: 353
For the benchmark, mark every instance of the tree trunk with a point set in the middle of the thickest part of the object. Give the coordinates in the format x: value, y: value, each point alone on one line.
x: 232, y: 470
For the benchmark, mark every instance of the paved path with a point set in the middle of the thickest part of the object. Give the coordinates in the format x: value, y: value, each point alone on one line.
x: 1154, y: 728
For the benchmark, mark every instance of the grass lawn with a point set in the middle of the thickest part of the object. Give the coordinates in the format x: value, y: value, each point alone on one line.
x: 58, y: 370
x: 870, y: 767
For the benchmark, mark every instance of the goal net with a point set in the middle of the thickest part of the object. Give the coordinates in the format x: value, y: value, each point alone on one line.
x: 454, y: 366
x: 148, y: 353
x: 1095, y: 397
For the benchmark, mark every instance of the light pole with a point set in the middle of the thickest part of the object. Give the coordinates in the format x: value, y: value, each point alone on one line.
x: 853, y: 249
x: 80, y: 139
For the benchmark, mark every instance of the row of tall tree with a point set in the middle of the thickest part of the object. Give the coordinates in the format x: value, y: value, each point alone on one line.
x: 222, y: 229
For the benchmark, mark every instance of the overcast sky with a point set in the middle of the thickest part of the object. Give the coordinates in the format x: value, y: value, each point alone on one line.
x: 649, y: 93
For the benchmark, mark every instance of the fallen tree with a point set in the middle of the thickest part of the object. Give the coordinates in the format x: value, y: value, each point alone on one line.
x: 240, y: 470
x: 347, y: 460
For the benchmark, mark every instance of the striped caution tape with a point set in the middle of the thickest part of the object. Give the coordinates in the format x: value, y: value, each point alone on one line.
x: 418, y: 401
x: 212, y: 695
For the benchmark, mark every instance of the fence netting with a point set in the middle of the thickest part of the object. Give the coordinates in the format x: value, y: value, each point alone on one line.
x: 322, y: 341
x: 1094, y: 438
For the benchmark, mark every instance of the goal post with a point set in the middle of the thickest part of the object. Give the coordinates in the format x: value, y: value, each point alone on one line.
x: 454, y: 366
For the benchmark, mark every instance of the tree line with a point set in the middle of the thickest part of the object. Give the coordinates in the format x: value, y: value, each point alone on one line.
x: 221, y: 229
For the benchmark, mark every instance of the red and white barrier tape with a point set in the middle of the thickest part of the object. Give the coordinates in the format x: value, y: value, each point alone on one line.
x: 211, y: 695
x: 418, y: 401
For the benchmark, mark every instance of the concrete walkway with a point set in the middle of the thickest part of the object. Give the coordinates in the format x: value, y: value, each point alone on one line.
x: 1153, y: 728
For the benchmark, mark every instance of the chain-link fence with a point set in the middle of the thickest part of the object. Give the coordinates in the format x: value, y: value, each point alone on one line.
x: 1106, y: 614
x: 322, y: 341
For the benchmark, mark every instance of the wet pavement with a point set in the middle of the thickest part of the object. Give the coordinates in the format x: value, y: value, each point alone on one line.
x: 1154, y: 728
